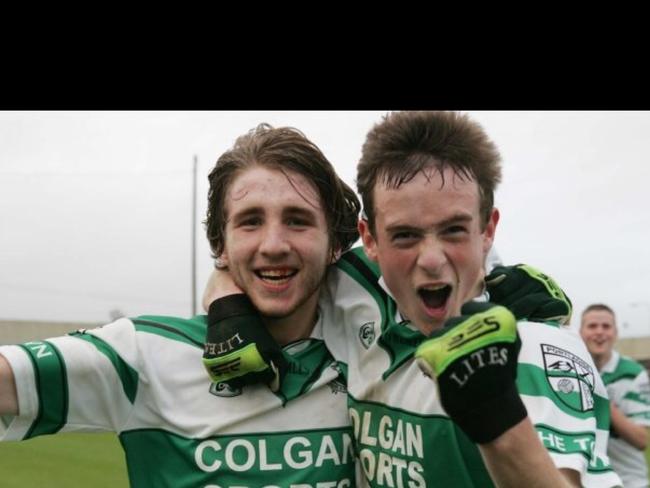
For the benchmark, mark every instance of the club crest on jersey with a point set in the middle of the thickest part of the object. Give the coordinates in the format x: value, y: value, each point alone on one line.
x: 224, y: 390
x: 570, y: 377
x: 367, y: 334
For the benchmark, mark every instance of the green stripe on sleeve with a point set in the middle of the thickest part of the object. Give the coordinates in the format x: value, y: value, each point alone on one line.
x: 128, y: 376
x: 165, y: 327
x: 51, y: 386
x: 636, y: 397
x: 617, y: 376
x: 640, y: 416
x: 574, y: 400
x: 572, y: 443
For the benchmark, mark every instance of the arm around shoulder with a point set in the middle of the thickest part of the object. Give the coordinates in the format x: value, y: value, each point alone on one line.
x: 8, y: 395
x: 219, y: 285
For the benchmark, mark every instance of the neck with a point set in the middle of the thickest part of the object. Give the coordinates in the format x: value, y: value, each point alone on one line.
x: 601, y: 359
x: 295, y: 326
x: 480, y: 287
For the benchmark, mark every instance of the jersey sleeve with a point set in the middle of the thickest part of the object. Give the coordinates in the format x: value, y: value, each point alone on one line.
x: 635, y: 403
x: 566, y: 401
x: 85, y: 381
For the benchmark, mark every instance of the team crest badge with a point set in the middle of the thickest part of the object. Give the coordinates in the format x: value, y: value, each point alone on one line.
x: 367, y: 334
x: 224, y: 390
x: 570, y: 377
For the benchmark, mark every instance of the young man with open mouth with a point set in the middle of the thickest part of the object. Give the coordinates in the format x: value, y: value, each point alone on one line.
x: 517, y: 401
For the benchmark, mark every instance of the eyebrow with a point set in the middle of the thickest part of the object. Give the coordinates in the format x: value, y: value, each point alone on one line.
x: 259, y: 210
x: 454, y: 219
x: 300, y: 211
x: 247, y: 212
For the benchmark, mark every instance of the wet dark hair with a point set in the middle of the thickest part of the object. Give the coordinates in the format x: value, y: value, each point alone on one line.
x: 286, y: 149
x: 404, y: 144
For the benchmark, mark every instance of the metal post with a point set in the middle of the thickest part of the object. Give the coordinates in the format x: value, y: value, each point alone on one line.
x: 194, y: 172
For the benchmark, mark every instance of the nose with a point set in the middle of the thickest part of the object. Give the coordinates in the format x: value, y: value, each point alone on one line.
x: 431, y: 256
x: 601, y: 330
x: 274, y: 241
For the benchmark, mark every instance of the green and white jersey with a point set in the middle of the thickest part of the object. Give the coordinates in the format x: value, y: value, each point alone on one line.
x: 629, y: 389
x: 144, y: 379
x: 403, y: 436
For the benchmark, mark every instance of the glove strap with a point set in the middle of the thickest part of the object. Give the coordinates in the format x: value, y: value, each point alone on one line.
x: 493, y: 417
x: 237, y: 336
x: 230, y: 306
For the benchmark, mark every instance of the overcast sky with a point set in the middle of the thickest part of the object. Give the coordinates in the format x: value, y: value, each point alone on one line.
x: 95, y: 207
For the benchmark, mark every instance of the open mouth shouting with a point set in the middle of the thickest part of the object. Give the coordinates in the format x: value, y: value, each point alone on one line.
x: 434, y: 298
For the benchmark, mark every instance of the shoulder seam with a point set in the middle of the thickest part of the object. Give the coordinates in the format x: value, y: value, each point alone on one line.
x: 158, y: 325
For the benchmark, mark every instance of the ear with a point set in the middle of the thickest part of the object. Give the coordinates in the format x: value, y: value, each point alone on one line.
x: 490, y: 230
x: 336, y: 255
x: 369, y: 242
x: 221, y: 262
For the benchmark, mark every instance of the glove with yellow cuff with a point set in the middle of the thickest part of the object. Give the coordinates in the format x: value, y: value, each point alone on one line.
x: 473, y: 359
x: 239, y: 350
x: 529, y: 294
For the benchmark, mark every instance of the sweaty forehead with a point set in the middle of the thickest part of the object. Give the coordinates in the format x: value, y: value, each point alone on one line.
x: 442, y: 191
x: 273, y: 186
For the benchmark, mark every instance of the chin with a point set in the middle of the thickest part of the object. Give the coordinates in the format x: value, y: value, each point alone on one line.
x: 428, y: 326
x: 275, y: 311
x: 275, y: 314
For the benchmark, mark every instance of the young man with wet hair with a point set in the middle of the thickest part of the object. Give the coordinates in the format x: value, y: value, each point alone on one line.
x: 517, y: 402
x: 629, y: 393
x: 278, y: 217
x: 427, y: 181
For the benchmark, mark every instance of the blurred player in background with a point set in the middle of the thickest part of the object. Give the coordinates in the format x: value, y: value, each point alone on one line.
x: 629, y: 394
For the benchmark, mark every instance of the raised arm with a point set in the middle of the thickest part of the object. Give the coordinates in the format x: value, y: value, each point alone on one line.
x: 517, y: 458
x: 474, y: 361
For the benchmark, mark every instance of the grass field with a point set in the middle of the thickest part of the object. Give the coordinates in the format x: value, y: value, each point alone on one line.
x: 69, y: 460
x: 64, y: 461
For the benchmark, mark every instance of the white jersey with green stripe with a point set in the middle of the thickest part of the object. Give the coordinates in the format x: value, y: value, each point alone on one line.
x: 403, y: 436
x: 629, y: 389
x: 143, y: 378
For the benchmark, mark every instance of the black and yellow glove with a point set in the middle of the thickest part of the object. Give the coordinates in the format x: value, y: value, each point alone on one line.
x: 239, y: 350
x: 473, y: 359
x: 529, y: 294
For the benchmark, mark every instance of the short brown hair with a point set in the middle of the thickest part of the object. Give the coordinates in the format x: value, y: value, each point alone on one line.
x: 406, y: 143
x: 283, y: 148
x: 595, y: 307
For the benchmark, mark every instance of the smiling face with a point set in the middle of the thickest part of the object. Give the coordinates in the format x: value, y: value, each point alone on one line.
x: 598, y: 330
x: 430, y: 244
x: 276, y: 242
